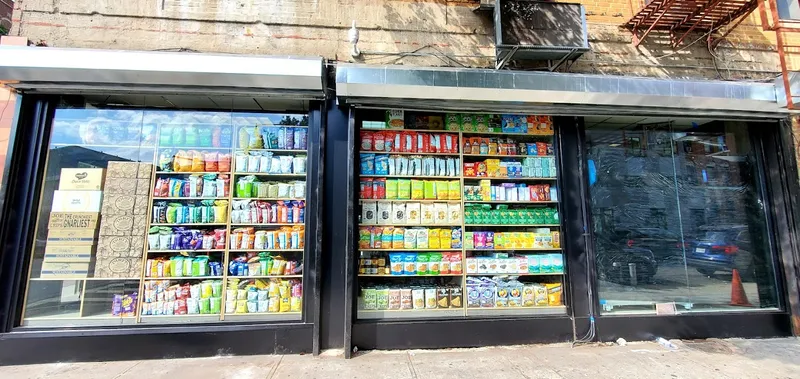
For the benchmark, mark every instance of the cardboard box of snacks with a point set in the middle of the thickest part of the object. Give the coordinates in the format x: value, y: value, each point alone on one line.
x: 118, y: 267
x: 79, y: 253
x: 73, y: 220
x: 77, y: 201
x: 117, y: 246
x: 118, y: 204
x: 127, y: 170
x: 65, y: 270
x: 81, y: 179
x: 116, y: 225
x: 71, y: 237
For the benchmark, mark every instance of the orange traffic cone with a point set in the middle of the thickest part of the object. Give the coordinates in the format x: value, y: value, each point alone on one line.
x: 738, y: 297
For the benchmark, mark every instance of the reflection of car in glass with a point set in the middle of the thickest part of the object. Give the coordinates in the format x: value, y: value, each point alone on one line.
x: 664, y: 244
x: 617, y: 262
x: 722, y: 248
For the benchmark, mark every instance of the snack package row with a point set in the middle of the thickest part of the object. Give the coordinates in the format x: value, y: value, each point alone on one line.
x: 208, y: 185
x: 272, y: 137
x: 511, y: 192
x: 505, y: 146
x: 531, y: 167
x: 182, y: 239
x: 407, y: 189
x: 251, y: 187
x: 261, y: 296
x: 263, y: 212
x: 166, y: 298
x: 281, y: 239
x: 410, y: 213
x: 516, y: 264
x: 194, y: 161
x: 408, y: 238
x: 543, y: 238
x: 408, y: 298
x: 195, y: 136
x: 124, y: 305
x: 409, y: 165
x: 408, y: 142
x: 503, y: 214
x: 477, y: 122
x: 485, y: 292
x: 182, y: 266
x: 202, y: 212
x: 433, y: 263
x: 263, y: 263
x: 267, y: 163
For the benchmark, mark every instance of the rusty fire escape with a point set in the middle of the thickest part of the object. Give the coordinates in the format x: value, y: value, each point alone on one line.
x: 680, y: 18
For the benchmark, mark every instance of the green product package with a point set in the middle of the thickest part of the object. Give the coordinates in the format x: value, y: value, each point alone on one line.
x: 434, y: 263
x: 513, y: 217
x: 538, y: 216
x: 205, y: 137
x: 191, y: 136
x: 442, y: 190
x: 430, y: 190
x: 404, y: 189
x: 469, y: 214
x: 453, y: 122
x: 422, y: 263
x: 382, y: 298
x: 468, y: 122
x: 391, y: 189
x: 178, y: 136
x: 165, y: 136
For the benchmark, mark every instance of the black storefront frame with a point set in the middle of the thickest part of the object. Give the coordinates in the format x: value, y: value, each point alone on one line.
x: 25, y: 172
x: 585, y: 317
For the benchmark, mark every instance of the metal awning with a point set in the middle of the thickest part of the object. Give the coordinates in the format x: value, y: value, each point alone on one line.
x: 551, y: 93
x: 56, y: 70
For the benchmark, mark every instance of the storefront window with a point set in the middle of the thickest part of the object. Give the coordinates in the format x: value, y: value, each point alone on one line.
x: 169, y: 216
x: 678, y: 220
x: 458, y: 216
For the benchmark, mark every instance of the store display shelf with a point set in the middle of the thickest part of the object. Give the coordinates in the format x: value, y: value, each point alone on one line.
x: 89, y: 145
x: 189, y: 198
x: 187, y: 251
x: 509, y: 202
x: 75, y: 319
x: 519, y: 311
x: 267, y: 250
x: 408, y: 153
x: 517, y: 225
x: 270, y: 198
x: 182, y: 278
x: 275, y: 150
x: 518, y: 249
x: 267, y: 316
x: 516, y: 274
x: 273, y: 224
x: 407, y: 276
x: 413, y: 201
x: 190, y: 172
x: 192, y: 224
x: 195, y: 147
x: 265, y: 277
x: 81, y: 279
x: 365, y: 314
x: 411, y: 177
x: 179, y: 319
x: 402, y: 250
x: 509, y: 179
x: 508, y: 156
x: 410, y: 225
x: 509, y: 134
x: 271, y: 175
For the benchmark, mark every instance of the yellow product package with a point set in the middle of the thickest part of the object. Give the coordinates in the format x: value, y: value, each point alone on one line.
x: 556, y: 236
x: 433, y: 239
x: 428, y: 214
x: 442, y: 190
x: 430, y: 190
x: 417, y: 189
x: 454, y: 190
x: 413, y: 213
x: 398, y: 238
x: 554, y: 294
x: 445, y: 236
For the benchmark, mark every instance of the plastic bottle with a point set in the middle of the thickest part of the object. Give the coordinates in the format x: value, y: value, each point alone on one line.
x: 664, y: 342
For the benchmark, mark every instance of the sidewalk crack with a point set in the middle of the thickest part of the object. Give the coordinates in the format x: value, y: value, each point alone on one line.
x: 410, y: 365
x: 274, y: 369
x: 127, y: 370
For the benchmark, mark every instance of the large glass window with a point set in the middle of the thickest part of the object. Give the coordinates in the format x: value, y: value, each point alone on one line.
x: 678, y: 220
x: 169, y: 216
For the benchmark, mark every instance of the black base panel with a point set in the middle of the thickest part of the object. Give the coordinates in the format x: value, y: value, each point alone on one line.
x: 742, y: 325
x: 436, y: 334
x: 68, y: 346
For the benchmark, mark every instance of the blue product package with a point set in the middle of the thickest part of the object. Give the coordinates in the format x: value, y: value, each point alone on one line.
x: 396, y: 263
x: 410, y: 264
x: 557, y: 261
x: 553, y: 193
x: 381, y: 164
x: 367, y: 164
x: 534, y: 264
x: 532, y: 150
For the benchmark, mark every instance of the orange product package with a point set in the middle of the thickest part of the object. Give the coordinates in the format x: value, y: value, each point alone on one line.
x: 211, y: 161
x: 224, y: 163
x: 302, y: 233
x: 475, y: 144
x: 182, y: 161
x: 197, y: 161
x: 283, y: 212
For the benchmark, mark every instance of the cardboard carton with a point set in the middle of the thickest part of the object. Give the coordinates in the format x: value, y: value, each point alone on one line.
x: 145, y: 171
x: 124, y: 186
x: 128, y: 170
x: 81, y: 254
x: 73, y: 220
x: 116, y: 225
x: 77, y: 201
x: 64, y: 270
x: 118, y: 268
x: 117, y: 246
x: 141, y: 205
x: 81, y: 179
x: 71, y: 237
x: 142, y: 187
x: 118, y: 204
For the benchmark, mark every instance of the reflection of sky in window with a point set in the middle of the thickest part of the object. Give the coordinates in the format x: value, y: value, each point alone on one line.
x: 129, y: 134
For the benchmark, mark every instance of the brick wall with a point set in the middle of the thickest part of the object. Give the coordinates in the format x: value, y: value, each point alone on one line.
x: 428, y: 28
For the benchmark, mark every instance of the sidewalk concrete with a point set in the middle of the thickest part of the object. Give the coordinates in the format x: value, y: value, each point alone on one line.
x: 734, y: 358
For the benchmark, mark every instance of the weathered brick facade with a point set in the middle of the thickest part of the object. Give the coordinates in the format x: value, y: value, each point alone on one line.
x: 319, y: 27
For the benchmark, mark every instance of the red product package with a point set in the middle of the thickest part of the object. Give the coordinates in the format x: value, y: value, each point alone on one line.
x: 380, y: 189
x: 366, y: 141
x: 366, y: 188
x: 424, y: 143
x: 449, y: 144
x: 219, y: 238
x: 396, y: 142
x: 544, y: 193
x: 180, y: 307
x: 534, y: 192
x: 379, y: 141
x: 409, y: 142
x: 541, y: 148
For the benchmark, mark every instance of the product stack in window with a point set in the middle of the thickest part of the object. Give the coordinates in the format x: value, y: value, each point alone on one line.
x: 458, y: 216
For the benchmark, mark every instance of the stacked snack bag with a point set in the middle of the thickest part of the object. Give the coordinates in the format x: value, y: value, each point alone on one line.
x: 502, y: 292
x: 408, y: 141
x: 505, y: 146
x: 124, y: 305
x: 280, y: 239
x: 502, y: 214
x: 194, y: 186
x: 202, y: 212
x: 530, y: 167
x: 183, y: 239
x: 541, y: 238
x: 494, y: 123
x: 261, y: 296
x: 273, y: 137
x: 413, y: 264
x: 166, y: 298
x: 398, y: 238
x: 195, y: 136
x: 182, y: 266
x: 510, y: 192
x: 263, y: 264
x: 251, y: 187
x: 409, y: 189
x: 263, y: 212
x: 265, y: 162
x: 499, y: 263
x: 410, y: 298
x: 193, y: 161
